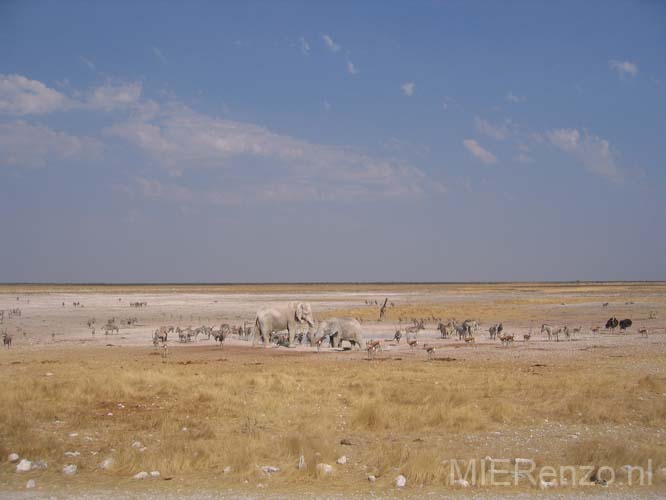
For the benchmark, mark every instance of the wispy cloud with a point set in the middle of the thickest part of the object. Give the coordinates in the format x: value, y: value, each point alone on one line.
x: 21, y: 96
x: 112, y: 96
x: 159, y: 54
x: 592, y: 151
x: 291, y: 169
x: 446, y: 102
x: 511, y: 97
x: 408, y: 88
x: 351, y: 69
x: 89, y: 63
x: 25, y: 145
x: 304, y: 45
x: 330, y: 44
x: 623, y: 68
x: 478, y: 152
x: 498, y: 132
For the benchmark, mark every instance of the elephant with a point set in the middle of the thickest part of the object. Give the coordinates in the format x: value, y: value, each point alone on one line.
x: 339, y: 329
x: 286, y: 317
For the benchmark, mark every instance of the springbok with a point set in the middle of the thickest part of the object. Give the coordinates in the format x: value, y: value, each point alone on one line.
x: 469, y: 339
x: 506, y: 339
x: 412, y: 343
x: 527, y: 336
x: 643, y: 332
x: 430, y: 350
x: 373, y: 346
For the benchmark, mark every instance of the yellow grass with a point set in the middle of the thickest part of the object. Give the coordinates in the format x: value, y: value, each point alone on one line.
x: 206, y: 409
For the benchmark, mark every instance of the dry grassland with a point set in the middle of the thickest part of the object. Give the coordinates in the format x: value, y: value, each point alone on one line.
x: 210, y: 408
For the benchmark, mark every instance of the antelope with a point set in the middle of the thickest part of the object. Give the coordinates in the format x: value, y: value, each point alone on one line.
x: 527, y: 337
x: 430, y: 350
x: 594, y: 329
x: 165, y: 352
x: 506, y: 339
x: 470, y: 340
x: 372, y: 346
x: 643, y: 332
x: 412, y: 343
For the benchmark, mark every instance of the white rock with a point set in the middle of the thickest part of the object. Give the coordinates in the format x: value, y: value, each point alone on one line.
x: 400, y: 481
x: 463, y: 483
x: 73, y: 434
x: 107, y: 463
x: 30, y: 484
x: 24, y: 466
x: 260, y: 485
x: 155, y: 473
x: 301, y: 462
x: 342, y: 460
x: 49, y: 374
x: 325, y: 469
x: 269, y: 469
x: 140, y: 475
x: 13, y: 457
x: 227, y: 469
x: 72, y: 453
x: 137, y: 444
x: 372, y: 478
x: 69, y: 470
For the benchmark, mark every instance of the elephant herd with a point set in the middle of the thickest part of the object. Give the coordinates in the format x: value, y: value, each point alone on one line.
x: 295, y: 315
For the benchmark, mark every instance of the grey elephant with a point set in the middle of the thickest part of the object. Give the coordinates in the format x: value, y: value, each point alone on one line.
x: 339, y: 329
x: 279, y: 318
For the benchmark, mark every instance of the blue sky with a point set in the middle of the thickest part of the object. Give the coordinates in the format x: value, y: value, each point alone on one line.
x: 339, y: 141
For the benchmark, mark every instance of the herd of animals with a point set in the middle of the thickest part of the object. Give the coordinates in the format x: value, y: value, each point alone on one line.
x: 292, y: 323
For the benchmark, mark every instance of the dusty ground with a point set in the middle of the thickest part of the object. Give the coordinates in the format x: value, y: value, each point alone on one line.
x: 599, y: 400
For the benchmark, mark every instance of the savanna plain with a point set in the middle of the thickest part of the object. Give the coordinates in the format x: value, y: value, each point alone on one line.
x: 237, y: 420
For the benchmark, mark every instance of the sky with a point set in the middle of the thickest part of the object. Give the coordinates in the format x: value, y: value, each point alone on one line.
x: 332, y: 141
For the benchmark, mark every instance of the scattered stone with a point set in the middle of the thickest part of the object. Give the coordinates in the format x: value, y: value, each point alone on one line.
x: 325, y: 469
x: 109, y: 414
x: 463, y: 483
x: 227, y: 469
x: 301, y: 462
x: 107, y: 463
x: 269, y: 469
x: 140, y: 475
x: 260, y: 485
x: 73, y: 434
x: 400, y: 481
x: 345, y: 442
x: 72, y: 453
x: 69, y: 470
x: 24, y: 466
x: 137, y: 444
x: 342, y: 460
x: 13, y: 457
x: 372, y: 478
x: 49, y: 374
x: 30, y: 484
x: 184, y: 429
x: 155, y: 473
x: 39, y: 464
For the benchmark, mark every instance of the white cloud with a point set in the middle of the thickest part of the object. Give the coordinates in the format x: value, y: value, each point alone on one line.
x: 266, y: 166
x: 408, y: 88
x: 497, y: 132
x: 351, y: 69
x: 328, y: 41
x: 22, y: 96
x: 158, y: 53
x: 590, y: 150
x: 623, y: 68
x: 108, y: 97
x: 24, y: 144
x: 446, y: 101
x: 478, y: 152
x: 327, y: 105
x: 510, y: 97
x: 304, y: 45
